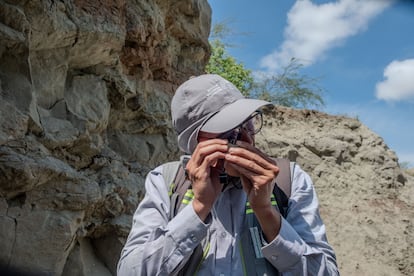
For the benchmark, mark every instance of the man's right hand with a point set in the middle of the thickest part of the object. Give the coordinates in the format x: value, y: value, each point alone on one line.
x: 202, y: 169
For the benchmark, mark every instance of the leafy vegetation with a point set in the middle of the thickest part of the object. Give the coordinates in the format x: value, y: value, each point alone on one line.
x: 223, y: 64
x: 229, y: 68
x: 289, y: 88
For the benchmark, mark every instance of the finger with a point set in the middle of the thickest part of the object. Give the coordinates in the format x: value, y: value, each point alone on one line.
x: 253, y: 164
x: 212, y: 159
x: 255, y: 150
x: 203, y: 170
x: 255, y: 178
x: 201, y: 152
x: 213, y: 141
x: 249, y: 159
x: 207, y: 147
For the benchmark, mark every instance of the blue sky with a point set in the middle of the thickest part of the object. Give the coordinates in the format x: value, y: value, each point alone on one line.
x: 362, y: 51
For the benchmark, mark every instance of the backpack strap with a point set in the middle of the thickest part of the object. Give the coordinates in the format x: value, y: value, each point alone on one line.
x: 283, y: 186
x: 177, y: 184
x: 169, y: 172
x: 284, y: 178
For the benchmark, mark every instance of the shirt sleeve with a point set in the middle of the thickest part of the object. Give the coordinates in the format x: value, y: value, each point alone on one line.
x: 301, y: 248
x: 157, y: 245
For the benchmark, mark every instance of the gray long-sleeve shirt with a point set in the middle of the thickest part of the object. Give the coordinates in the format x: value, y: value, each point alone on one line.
x: 157, y: 245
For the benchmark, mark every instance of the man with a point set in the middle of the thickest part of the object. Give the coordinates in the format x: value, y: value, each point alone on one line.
x: 216, y: 125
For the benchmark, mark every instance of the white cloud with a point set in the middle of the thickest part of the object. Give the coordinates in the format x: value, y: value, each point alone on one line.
x: 398, y: 84
x: 314, y: 29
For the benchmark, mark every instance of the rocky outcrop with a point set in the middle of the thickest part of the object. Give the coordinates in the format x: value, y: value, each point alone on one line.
x: 366, y: 199
x: 85, y: 88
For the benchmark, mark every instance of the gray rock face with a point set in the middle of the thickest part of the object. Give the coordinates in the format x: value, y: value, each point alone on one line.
x: 85, y: 88
x: 366, y: 200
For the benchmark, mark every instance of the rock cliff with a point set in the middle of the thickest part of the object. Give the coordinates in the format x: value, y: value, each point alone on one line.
x: 366, y: 200
x: 85, y: 88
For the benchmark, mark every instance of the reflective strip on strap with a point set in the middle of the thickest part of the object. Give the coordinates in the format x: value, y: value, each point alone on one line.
x: 171, y: 189
x: 249, y: 209
x: 189, y: 195
x: 273, y: 200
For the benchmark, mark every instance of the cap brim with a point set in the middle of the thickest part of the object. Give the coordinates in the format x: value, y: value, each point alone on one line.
x: 232, y: 115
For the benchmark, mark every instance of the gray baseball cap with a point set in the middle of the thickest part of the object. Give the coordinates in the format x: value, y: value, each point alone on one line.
x: 209, y: 103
